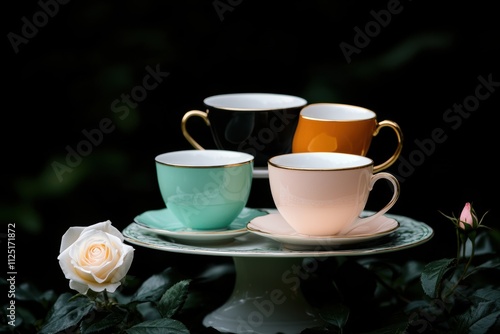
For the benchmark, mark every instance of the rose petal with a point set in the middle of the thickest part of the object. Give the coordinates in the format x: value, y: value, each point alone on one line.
x: 124, y: 264
x: 70, y: 237
x: 80, y: 287
x: 106, y: 227
x: 466, y: 216
x: 95, y: 257
x: 110, y: 287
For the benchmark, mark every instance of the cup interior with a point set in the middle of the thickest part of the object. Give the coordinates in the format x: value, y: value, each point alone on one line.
x: 203, y: 158
x: 336, y: 112
x: 254, y: 101
x: 320, y: 161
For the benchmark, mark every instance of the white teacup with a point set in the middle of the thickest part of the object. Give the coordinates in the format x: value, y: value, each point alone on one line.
x: 324, y: 193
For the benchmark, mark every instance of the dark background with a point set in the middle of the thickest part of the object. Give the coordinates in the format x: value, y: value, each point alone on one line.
x: 63, y: 80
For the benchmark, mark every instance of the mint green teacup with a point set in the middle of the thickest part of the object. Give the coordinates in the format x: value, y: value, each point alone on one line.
x: 205, y: 189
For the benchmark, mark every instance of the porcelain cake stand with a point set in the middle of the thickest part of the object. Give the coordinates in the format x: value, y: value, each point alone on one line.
x: 266, y: 297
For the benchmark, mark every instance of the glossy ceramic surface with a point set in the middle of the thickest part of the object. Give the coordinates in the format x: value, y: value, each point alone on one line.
x: 323, y: 193
x: 410, y: 233
x: 327, y: 127
x: 163, y: 222
x: 260, y: 264
x: 261, y: 124
x: 205, y: 189
x: 332, y: 127
x: 273, y: 226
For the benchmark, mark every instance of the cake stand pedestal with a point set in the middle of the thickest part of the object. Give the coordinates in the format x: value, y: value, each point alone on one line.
x: 266, y: 298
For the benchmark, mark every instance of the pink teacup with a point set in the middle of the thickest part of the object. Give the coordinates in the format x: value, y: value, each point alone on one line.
x: 324, y: 193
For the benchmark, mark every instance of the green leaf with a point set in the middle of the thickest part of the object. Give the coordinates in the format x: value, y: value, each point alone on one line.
x: 159, y: 326
x: 433, y: 274
x: 24, y: 316
x: 336, y: 314
x: 29, y: 292
x: 483, y: 324
x: 99, y: 322
x: 67, y: 312
x: 484, y: 244
x: 411, y: 271
x: 478, y: 318
x: 488, y: 294
x: 173, y: 299
x: 153, y: 288
x: 491, y: 264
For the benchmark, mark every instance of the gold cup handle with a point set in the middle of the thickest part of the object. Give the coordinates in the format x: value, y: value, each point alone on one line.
x: 395, y: 155
x: 185, y: 132
x: 396, y: 190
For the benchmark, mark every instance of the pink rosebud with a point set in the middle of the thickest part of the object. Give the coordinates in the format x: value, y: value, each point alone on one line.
x: 466, y: 216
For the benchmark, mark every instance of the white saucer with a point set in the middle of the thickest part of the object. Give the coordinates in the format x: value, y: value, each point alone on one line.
x: 273, y: 226
x: 163, y: 222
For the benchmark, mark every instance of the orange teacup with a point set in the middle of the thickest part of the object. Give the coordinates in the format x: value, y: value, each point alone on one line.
x: 333, y: 127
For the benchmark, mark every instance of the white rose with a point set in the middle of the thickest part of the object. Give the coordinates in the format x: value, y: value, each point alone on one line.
x: 94, y: 257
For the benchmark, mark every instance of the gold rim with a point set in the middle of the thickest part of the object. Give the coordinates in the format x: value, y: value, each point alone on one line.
x: 301, y: 102
x: 249, y: 160
x: 212, y: 166
x: 337, y: 120
x: 277, y: 165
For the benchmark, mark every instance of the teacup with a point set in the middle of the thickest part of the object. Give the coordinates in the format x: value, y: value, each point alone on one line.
x: 324, y: 193
x: 261, y: 124
x: 205, y: 189
x: 333, y: 127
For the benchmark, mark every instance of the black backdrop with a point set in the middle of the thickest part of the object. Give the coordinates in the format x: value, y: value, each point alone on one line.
x: 71, y: 65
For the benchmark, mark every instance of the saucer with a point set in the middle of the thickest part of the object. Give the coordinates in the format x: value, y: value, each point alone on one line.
x: 163, y: 222
x: 275, y: 227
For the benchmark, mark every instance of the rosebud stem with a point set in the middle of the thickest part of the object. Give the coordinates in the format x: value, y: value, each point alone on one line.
x: 463, y: 244
x: 473, y: 250
x: 105, y: 296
